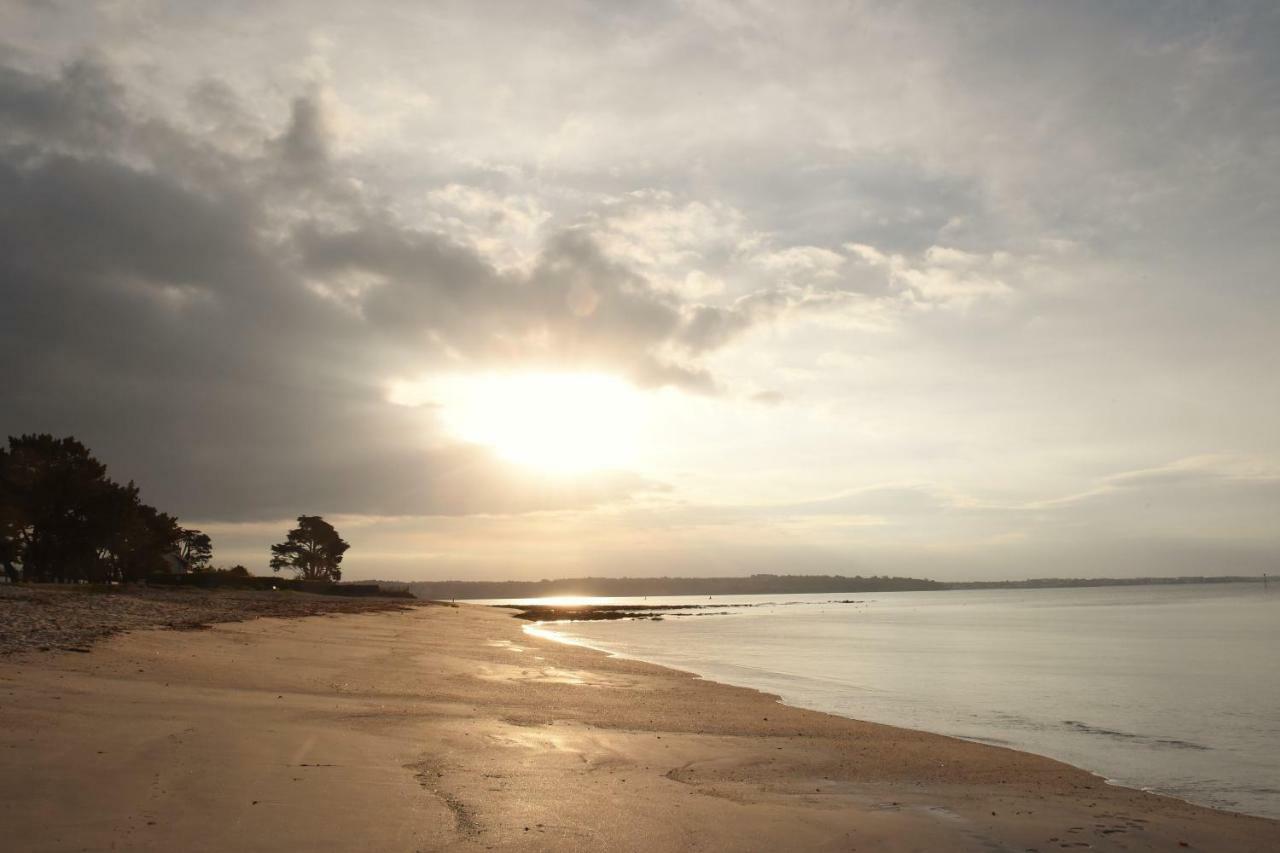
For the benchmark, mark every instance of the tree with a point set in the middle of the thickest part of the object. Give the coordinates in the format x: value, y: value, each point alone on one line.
x: 196, y: 549
x: 14, y: 522
x: 62, y: 519
x: 135, y: 537
x: 59, y: 491
x: 313, y: 549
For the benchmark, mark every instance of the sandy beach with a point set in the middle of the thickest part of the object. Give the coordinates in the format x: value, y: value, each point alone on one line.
x: 444, y: 728
x: 72, y: 618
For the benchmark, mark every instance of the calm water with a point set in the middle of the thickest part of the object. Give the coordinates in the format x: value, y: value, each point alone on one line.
x: 1174, y: 689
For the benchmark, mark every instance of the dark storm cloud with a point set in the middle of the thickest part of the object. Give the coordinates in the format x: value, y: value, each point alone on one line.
x: 191, y: 317
x: 78, y: 108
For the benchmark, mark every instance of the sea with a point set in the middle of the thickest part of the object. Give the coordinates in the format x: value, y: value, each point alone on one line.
x: 1172, y: 689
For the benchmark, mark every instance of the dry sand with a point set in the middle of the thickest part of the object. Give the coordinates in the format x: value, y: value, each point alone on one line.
x: 448, y: 729
x: 72, y: 618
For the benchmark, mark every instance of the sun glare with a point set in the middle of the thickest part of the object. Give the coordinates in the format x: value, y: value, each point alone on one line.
x: 556, y: 422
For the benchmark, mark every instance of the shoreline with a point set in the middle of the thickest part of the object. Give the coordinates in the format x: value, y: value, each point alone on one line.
x: 546, y: 630
x: 449, y: 728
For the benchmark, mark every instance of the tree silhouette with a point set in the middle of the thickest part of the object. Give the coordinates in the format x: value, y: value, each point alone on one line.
x: 196, y: 549
x: 63, y: 520
x: 58, y: 491
x: 15, y: 524
x: 313, y: 549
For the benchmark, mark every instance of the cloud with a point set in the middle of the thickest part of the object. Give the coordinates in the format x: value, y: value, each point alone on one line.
x: 148, y: 281
x: 805, y: 263
x: 303, y: 147
x: 80, y: 109
x: 1213, y: 496
x: 769, y: 398
x: 1001, y: 256
x: 658, y: 232
x: 942, y: 276
x: 236, y: 299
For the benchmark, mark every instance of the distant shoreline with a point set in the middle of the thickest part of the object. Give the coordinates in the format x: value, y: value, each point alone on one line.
x: 626, y: 587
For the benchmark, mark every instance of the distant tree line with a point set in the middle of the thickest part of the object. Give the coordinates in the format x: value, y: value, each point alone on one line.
x: 63, y: 520
x: 752, y: 585
x: 1072, y: 583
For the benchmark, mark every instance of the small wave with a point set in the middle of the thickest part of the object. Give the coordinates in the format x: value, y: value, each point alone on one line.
x: 994, y: 741
x: 1173, y: 743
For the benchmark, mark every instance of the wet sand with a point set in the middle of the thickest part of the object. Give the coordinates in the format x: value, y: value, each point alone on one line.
x: 449, y: 729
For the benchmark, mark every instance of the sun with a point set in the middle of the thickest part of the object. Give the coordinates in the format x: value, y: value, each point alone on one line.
x: 564, y: 423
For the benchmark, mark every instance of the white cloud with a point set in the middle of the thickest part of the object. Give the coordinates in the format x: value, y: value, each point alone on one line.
x: 661, y: 234
x: 801, y: 264
x: 941, y: 276
x: 508, y: 229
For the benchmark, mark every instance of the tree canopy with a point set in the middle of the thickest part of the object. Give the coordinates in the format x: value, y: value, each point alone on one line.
x: 62, y: 519
x: 196, y: 550
x: 313, y: 550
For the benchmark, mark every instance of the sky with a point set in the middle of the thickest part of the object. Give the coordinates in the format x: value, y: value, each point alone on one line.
x: 526, y: 290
